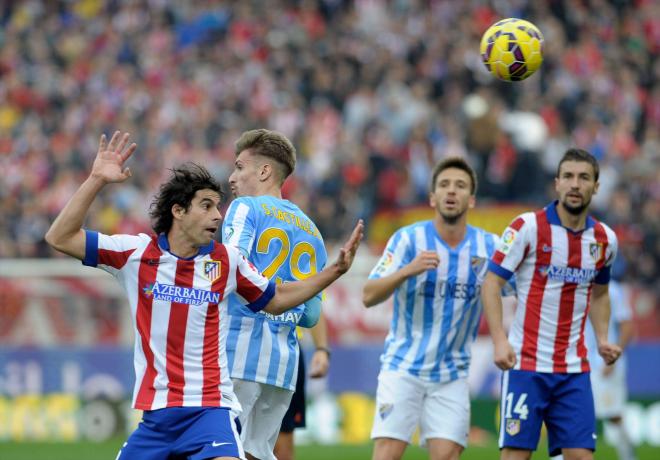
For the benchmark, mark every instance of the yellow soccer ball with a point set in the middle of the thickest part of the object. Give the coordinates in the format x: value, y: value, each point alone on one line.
x: 512, y: 49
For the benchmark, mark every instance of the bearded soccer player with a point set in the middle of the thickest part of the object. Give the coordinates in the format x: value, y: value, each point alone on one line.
x: 177, y: 283
x: 561, y: 258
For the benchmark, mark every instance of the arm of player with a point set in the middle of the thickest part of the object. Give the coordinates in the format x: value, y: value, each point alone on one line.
x: 599, y: 314
x: 289, y: 295
x: 321, y: 357
x: 491, y: 298
x: 377, y: 290
x: 66, y: 233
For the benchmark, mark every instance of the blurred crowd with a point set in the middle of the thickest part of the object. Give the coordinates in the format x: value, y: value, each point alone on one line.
x: 372, y: 93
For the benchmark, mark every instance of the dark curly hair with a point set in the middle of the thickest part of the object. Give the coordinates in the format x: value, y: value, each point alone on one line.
x: 180, y: 189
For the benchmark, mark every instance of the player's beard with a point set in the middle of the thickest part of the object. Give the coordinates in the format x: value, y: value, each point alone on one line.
x: 452, y: 219
x: 576, y: 210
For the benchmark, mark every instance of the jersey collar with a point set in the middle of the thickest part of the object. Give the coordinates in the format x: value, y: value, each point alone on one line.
x: 553, y: 217
x: 165, y: 245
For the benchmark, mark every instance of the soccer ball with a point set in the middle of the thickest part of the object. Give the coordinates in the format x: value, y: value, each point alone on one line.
x: 512, y: 49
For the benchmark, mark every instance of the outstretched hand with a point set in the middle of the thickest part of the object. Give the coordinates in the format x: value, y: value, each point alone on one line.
x: 110, y: 158
x: 348, y: 250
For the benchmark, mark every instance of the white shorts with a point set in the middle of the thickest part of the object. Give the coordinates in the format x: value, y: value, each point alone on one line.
x: 610, y: 392
x: 264, y: 407
x: 403, y: 402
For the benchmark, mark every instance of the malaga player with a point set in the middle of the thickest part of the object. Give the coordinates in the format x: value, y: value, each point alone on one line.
x: 561, y: 258
x: 177, y: 283
x: 434, y: 269
x: 281, y: 241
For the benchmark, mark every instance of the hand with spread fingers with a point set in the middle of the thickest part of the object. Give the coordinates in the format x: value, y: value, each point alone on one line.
x: 348, y: 250
x: 110, y: 159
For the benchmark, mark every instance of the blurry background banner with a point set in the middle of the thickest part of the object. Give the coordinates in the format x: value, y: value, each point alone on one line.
x: 66, y: 359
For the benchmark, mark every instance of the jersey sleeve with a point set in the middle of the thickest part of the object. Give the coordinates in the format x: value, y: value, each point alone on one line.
x: 109, y: 252
x: 509, y: 288
x: 511, y: 249
x: 396, y: 255
x: 252, y: 288
x: 239, y: 226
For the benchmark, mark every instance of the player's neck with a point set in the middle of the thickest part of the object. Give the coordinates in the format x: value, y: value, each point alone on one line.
x: 270, y: 190
x: 180, y: 245
x: 575, y: 222
x: 451, y: 233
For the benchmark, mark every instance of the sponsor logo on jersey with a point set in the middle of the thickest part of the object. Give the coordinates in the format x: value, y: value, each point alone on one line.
x: 512, y: 426
x: 546, y: 248
x: 180, y: 294
x: 450, y: 289
x: 212, y: 270
x: 286, y: 317
x: 568, y: 274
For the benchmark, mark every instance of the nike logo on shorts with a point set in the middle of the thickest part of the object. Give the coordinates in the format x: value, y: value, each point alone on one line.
x: 218, y: 444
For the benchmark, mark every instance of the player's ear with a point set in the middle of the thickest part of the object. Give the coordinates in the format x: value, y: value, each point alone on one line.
x: 178, y: 211
x: 432, y: 200
x: 265, y: 172
x: 472, y: 202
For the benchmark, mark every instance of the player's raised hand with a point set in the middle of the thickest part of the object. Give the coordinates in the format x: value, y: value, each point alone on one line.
x: 110, y: 158
x: 425, y: 260
x: 609, y: 352
x: 348, y: 250
x: 503, y: 355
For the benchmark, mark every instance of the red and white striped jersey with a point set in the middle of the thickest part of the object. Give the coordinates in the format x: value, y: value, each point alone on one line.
x: 555, y: 269
x: 179, y: 309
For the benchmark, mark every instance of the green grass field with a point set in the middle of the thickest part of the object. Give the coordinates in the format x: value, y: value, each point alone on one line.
x: 108, y: 450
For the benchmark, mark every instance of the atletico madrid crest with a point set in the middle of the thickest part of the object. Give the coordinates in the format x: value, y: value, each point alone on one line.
x: 212, y: 269
x: 512, y: 426
x: 596, y: 251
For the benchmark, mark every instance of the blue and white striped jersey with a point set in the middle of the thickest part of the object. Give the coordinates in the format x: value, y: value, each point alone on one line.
x: 436, y: 313
x: 285, y: 245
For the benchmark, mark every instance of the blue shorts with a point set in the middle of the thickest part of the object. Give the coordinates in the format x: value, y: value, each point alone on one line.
x: 563, y: 402
x: 192, y: 433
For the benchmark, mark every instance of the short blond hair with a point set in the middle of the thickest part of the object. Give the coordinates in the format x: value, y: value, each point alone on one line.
x: 270, y: 144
